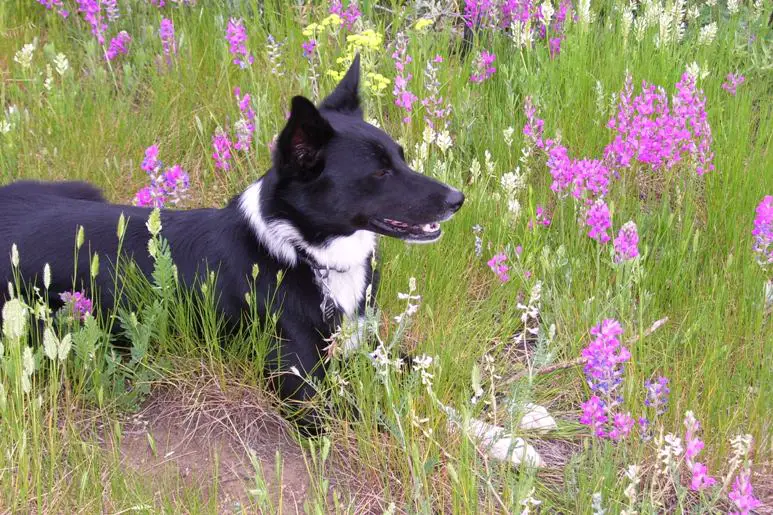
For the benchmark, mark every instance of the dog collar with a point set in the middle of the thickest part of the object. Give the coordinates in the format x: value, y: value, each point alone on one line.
x: 322, y: 279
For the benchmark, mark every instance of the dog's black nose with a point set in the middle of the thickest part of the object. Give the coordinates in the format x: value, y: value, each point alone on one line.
x: 454, y: 200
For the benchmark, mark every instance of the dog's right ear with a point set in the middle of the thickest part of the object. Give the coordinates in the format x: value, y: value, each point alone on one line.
x: 300, y: 149
x: 346, y: 97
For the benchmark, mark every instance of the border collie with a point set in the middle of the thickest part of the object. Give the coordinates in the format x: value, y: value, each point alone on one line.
x: 336, y: 183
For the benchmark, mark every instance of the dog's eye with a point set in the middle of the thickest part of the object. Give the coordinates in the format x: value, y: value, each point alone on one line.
x: 382, y: 173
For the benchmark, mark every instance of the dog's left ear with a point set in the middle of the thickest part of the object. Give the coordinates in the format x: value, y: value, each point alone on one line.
x: 300, y: 148
x: 346, y: 97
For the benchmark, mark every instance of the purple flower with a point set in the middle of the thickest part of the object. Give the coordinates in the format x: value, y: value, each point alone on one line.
x: 222, y: 150
x: 627, y: 243
x: 77, y: 303
x: 657, y: 394
x: 742, y: 494
x: 498, y: 266
x: 484, y: 68
x: 732, y: 82
x: 93, y: 15
x: 111, y: 9
x: 170, y: 186
x: 236, y: 35
x: 534, y: 127
x: 166, y: 33
x: 144, y: 197
x: 118, y: 45
x: 594, y: 415
x: 622, y: 425
x: 437, y: 111
x: 151, y: 162
x: 403, y: 96
x: 763, y: 232
x: 308, y: 48
x: 349, y: 15
x: 543, y: 216
x: 58, y: 4
x: 700, y: 477
x: 245, y: 126
x: 478, y: 12
x: 599, y: 220
x: 604, y: 358
x: 660, y: 135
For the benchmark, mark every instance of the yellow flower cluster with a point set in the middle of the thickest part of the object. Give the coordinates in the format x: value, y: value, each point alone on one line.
x: 313, y: 30
x: 362, y: 42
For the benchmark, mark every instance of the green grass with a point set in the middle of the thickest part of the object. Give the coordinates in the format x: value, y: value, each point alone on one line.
x: 697, y: 266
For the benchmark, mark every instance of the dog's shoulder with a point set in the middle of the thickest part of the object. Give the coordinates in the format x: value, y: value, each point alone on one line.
x: 76, y: 190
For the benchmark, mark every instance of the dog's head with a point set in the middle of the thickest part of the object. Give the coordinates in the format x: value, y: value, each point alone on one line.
x: 337, y: 174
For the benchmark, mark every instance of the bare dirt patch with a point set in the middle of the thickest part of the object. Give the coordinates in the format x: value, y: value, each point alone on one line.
x: 211, y: 434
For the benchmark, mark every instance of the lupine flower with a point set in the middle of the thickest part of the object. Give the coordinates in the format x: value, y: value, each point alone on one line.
x: 274, y: 51
x: 484, y: 67
x: 477, y: 230
x: 58, y: 4
x: 650, y: 131
x: 604, y: 358
x: 92, y: 13
x: 498, y: 266
x: 165, y: 186
x: 308, y: 48
x: 478, y: 13
x: 693, y: 446
x: 599, y: 220
x: 627, y: 243
x: 437, y: 111
x: 657, y: 394
x: 763, y: 232
x: 594, y: 415
x: 245, y: 126
x: 742, y: 494
x: 166, y: 33
x: 222, y: 153
x: 236, y: 35
x: 732, y: 82
x: 622, y: 425
x: 403, y: 96
x: 77, y: 303
x: 111, y: 9
x: 118, y: 45
x: 349, y: 16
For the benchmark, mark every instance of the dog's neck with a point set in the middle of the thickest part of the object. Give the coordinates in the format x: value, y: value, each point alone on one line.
x: 286, y: 243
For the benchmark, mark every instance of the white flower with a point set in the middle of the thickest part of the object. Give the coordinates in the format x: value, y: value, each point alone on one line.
x: 14, y: 255
x: 24, y: 56
x: 64, y: 346
x: 521, y: 34
x: 711, y: 3
x: 14, y: 319
x: 514, y: 207
x: 508, y: 135
x: 474, y: 170
x: 50, y: 344
x: 513, y: 182
x: 732, y: 6
x: 583, y: 12
x: 49, y: 78
x: 47, y: 276
x: 443, y: 141
x: 61, y: 64
x: 596, y: 504
x: 5, y: 127
x: 547, y: 12
x: 490, y: 164
x: 707, y: 34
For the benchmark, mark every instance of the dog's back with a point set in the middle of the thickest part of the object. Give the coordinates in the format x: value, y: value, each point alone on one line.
x: 70, y: 189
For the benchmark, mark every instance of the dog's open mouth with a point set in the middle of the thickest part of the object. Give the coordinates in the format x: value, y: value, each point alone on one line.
x: 405, y: 231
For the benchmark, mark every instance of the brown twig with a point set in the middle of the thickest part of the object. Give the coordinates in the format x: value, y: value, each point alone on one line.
x: 580, y: 361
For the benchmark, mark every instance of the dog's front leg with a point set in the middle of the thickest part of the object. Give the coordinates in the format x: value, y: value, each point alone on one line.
x: 296, y: 368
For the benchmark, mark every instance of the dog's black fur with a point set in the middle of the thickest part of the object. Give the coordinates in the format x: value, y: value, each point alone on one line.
x: 335, y: 181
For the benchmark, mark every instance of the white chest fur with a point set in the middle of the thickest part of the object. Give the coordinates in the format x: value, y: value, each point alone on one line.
x: 350, y: 254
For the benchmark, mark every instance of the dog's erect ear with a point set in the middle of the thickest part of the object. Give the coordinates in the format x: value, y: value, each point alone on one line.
x: 300, y: 149
x: 346, y: 97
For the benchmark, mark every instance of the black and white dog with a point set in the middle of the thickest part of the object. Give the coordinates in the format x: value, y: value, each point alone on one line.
x: 336, y: 182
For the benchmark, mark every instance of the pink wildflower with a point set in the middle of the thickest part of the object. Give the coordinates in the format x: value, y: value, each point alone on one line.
x: 77, y: 303
x: 732, y: 82
x: 484, y: 67
x: 166, y: 33
x: 349, y: 16
x: 622, y: 425
x: 599, y: 220
x: 627, y: 243
x: 118, y: 45
x: 742, y: 494
x: 222, y: 153
x: 594, y: 415
x: 236, y: 35
x: 763, y: 231
x: 498, y: 266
